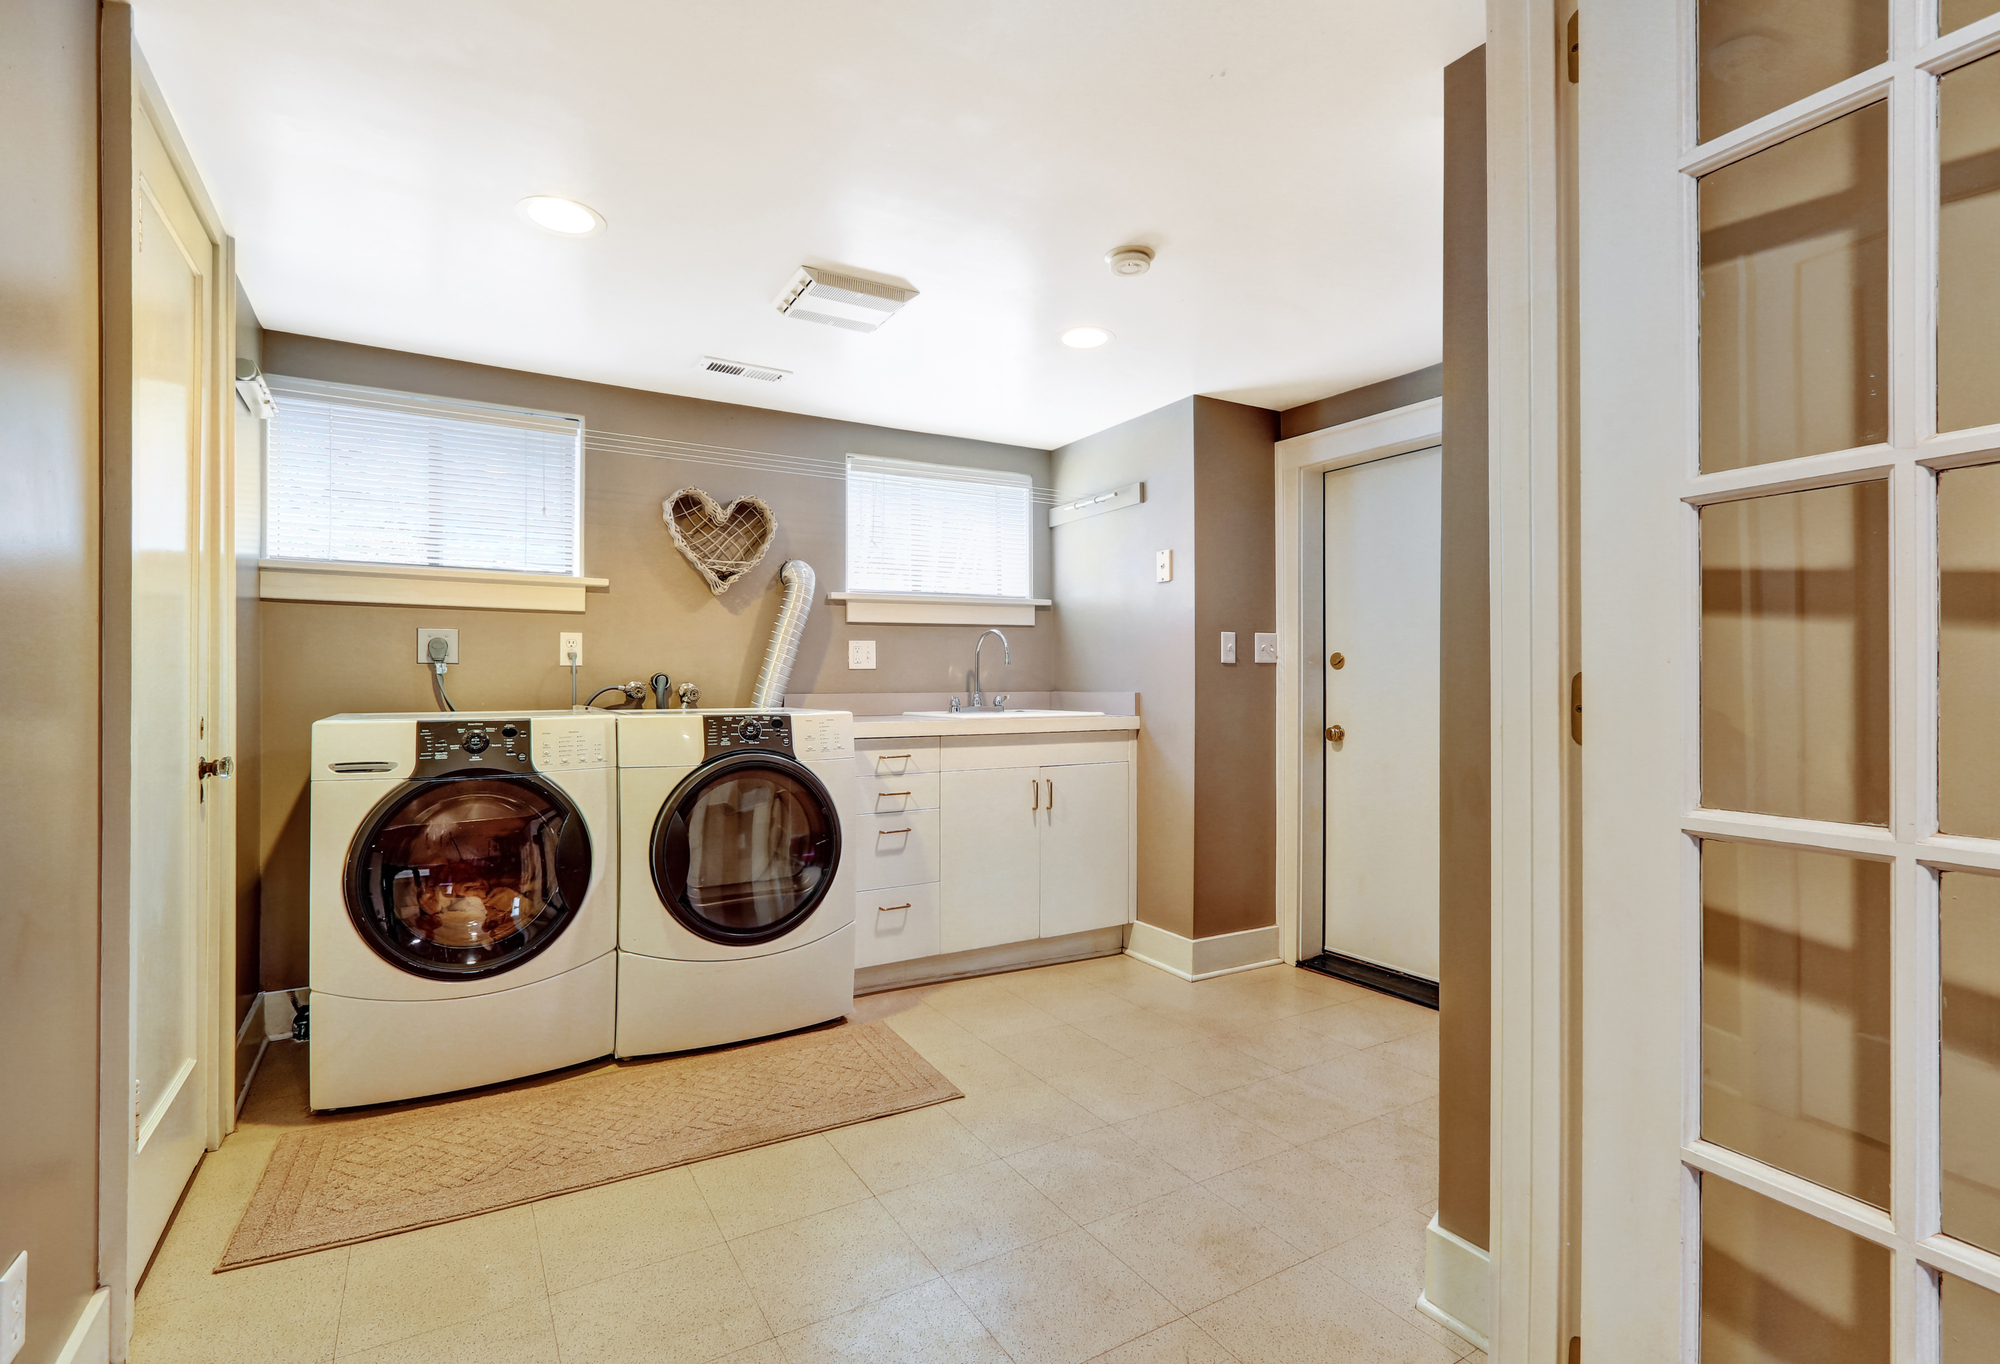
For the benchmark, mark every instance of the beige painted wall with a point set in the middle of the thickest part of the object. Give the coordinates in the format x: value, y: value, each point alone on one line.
x: 1235, y: 704
x: 1118, y: 629
x: 49, y: 669
x: 658, y: 615
x: 1465, y: 923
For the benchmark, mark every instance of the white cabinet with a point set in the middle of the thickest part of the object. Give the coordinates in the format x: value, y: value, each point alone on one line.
x: 989, y: 858
x: 979, y: 841
x: 1085, y: 839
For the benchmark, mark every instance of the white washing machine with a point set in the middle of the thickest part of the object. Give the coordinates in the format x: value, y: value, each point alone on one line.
x: 736, y: 907
x: 464, y: 900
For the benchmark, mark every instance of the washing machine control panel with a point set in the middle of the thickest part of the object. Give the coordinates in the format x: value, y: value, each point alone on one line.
x: 734, y: 733
x: 446, y: 746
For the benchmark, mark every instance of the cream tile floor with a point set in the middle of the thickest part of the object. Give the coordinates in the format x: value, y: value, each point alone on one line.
x: 1142, y: 1170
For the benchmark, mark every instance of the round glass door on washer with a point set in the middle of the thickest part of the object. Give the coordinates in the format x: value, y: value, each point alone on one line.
x: 463, y: 901
x: 736, y: 911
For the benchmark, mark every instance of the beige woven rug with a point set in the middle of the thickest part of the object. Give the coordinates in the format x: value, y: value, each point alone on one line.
x: 342, y: 1182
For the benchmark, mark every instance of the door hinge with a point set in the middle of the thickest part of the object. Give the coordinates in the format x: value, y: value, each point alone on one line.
x: 1573, y: 46
x: 1576, y: 709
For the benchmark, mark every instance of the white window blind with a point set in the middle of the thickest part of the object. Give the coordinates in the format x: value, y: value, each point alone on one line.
x: 933, y: 528
x: 371, y: 476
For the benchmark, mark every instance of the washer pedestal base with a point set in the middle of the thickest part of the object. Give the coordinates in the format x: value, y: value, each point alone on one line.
x: 680, y: 1005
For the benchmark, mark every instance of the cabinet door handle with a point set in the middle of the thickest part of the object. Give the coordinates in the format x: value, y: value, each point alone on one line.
x: 1035, y: 789
x: 883, y: 833
x: 1052, y: 793
x: 891, y: 909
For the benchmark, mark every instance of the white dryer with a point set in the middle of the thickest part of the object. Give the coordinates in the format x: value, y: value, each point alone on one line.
x: 464, y: 900
x: 736, y: 907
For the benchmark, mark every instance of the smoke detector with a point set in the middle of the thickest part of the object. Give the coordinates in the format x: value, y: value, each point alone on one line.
x: 1129, y: 260
x: 741, y: 369
x: 859, y: 305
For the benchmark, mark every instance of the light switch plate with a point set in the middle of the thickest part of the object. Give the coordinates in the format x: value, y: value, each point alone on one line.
x: 860, y: 653
x: 14, y: 1308
x: 1163, y: 566
x: 1228, y: 646
x: 424, y: 644
x: 568, y: 641
x: 1267, y: 648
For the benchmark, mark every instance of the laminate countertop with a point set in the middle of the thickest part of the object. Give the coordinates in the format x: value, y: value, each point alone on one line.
x: 911, y: 726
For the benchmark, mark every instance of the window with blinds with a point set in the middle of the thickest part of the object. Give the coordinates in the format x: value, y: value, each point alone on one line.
x: 370, y: 476
x: 938, y: 530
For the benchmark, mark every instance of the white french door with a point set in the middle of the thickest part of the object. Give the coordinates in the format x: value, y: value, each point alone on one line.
x: 1789, y: 385
x: 1383, y: 542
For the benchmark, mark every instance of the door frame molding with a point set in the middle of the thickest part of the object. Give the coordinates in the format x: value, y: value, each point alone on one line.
x: 127, y: 90
x: 1301, y: 532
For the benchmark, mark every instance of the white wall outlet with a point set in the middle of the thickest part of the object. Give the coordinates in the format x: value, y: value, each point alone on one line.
x: 569, y: 648
x: 1228, y: 646
x: 14, y: 1308
x: 424, y: 637
x: 1163, y: 566
x: 1267, y: 648
x: 860, y: 653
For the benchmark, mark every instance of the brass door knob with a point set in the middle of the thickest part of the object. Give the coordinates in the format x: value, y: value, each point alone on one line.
x: 1335, y: 733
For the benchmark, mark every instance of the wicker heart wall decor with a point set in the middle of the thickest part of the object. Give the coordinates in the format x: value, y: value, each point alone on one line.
x: 723, y: 543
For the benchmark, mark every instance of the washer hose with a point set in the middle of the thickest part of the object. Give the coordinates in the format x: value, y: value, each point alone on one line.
x: 799, y: 580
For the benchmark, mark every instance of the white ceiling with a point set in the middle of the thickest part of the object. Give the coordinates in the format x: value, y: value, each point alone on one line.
x: 1282, y: 156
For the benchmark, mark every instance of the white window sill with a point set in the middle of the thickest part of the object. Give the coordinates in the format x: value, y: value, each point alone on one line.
x: 419, y: 585
x: 923, y: 608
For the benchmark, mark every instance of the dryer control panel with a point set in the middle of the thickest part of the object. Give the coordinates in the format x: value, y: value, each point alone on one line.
x: 733, y: 733
x: 446, y: 746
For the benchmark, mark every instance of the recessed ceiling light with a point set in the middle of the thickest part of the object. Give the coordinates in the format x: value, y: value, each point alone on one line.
x: 1083, y: 338
x: 565, y: 216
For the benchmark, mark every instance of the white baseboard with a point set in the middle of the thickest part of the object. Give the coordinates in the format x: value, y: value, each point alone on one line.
x: 90, y: 1339
x: 1204, y: 958
x: 1458, y: 1285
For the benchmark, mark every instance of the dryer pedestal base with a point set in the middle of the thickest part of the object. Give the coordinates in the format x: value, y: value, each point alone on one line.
x: 373, y: 1051
x: 681, y: 1005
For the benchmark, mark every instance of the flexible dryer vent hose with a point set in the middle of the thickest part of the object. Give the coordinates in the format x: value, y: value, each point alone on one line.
x: 797, y: 576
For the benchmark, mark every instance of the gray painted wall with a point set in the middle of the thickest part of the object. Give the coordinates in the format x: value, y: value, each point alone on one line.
x: 320, y: 659
x: 49, y: 685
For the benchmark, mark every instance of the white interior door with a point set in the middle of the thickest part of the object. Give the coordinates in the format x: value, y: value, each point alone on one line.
x: 1383, y: 547
x: 1790, y: 569
x: 173, y: 269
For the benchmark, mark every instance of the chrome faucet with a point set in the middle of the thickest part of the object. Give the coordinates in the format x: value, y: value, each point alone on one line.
x: 1006, y: 657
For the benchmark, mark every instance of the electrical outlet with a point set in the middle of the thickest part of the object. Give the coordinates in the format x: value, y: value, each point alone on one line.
x: 860, y: 653
x: 424, y: 637
x: 14, y: 1308
x: 1163, y: 566
x: 1267, y: 648
x: 1228, y: 646
x: 569, y: 648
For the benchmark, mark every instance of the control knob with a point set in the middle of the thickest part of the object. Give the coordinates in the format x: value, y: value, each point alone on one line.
x: 477, y: 743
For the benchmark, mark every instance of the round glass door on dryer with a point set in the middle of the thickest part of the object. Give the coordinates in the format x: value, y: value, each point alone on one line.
x: 745, y: 849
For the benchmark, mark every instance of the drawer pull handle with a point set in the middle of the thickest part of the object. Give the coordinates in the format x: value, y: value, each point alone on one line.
x: 883, y: 833
x: 880, y: 795
x: 890, y: 909
x: 883, y: 757
x: 1035, y: 788
x: 1052, y: 793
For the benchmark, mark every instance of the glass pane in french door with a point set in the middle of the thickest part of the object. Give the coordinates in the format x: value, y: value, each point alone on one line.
x: 1971, y: 1322
x: 1968, y: 301
x: 1956, y: 14
x: 1795, y: 1012
x: 1795, y: 654
x: 1795, y: 295
x: 1779, y: 1286
x: 1969, y: 1068
x: 1969, y: 651
x: 1760, y: 55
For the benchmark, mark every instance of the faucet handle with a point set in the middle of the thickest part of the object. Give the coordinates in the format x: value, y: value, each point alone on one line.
x: 1000, y: 702
x: 954, y: 705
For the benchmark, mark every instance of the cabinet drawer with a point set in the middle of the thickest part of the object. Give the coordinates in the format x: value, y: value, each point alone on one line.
x: 898, y: 925
x: 893, y: 795
x: 972, y: 753
x: 893, y: 850
x: 895, y: 757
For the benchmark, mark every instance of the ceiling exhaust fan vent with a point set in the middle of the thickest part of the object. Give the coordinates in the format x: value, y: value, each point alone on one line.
x: 741, y: 369
x: 845, y: 301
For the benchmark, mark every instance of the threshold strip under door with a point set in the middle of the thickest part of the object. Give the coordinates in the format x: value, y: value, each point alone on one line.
x: 1366, y: 973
